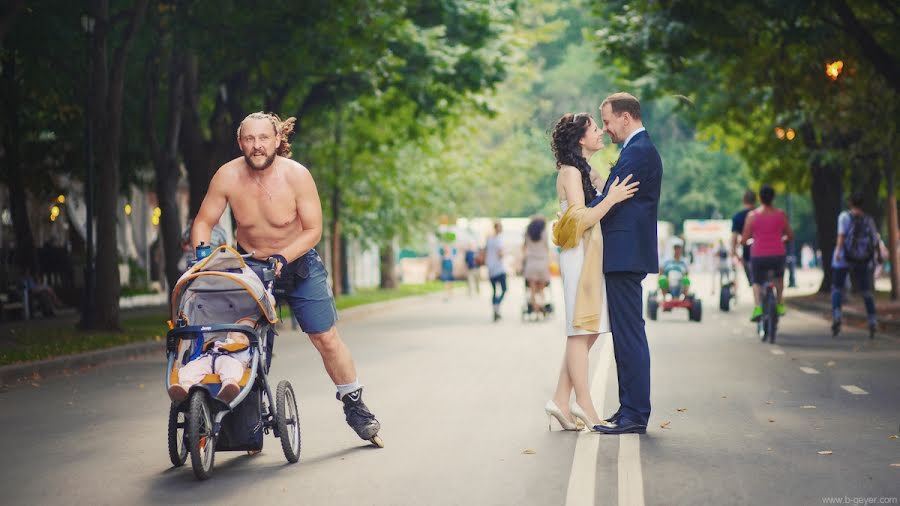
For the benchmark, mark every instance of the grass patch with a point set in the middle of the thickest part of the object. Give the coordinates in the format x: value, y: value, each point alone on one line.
x: 364, y: 296
x: 42, y: 339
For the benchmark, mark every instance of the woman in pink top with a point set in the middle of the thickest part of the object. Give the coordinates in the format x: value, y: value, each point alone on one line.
x: 769, y: 229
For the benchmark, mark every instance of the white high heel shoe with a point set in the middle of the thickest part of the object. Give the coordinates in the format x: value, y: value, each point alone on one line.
x: 553, y: 411
x: 579, y: 415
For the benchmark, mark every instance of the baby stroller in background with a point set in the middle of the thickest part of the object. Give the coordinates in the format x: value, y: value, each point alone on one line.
x: 208, y: 298
x: 528, y: 312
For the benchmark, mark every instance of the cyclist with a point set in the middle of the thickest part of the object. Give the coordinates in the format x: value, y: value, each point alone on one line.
x: 737, y: 229
x: 769, y: 228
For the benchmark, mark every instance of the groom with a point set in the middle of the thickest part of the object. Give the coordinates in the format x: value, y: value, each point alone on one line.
x: 630, y: 252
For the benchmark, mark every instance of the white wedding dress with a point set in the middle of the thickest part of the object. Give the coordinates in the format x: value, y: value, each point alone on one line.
x: 570, y: 261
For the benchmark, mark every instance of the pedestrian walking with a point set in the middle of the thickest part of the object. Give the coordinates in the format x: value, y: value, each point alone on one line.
x: 856, y: 253
x: 493, y: 259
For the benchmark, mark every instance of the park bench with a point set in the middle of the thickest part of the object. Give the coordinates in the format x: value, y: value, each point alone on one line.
x: 12, y: 303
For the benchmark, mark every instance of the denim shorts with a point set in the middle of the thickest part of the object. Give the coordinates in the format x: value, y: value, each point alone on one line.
x: 303, y: 284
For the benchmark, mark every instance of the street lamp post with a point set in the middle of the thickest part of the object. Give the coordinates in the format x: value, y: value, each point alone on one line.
x: 788, y: 135
x: 87, y: 23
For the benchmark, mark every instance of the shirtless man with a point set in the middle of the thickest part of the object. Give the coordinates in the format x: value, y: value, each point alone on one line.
x: 278, y: 214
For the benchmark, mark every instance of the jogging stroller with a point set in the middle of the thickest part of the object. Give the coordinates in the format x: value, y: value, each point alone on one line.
x: 207, y: 300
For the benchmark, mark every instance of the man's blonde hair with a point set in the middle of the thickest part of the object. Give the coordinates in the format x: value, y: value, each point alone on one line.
x: 283, y: 128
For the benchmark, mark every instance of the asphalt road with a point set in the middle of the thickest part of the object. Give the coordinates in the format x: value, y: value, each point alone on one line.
x: 460, y: 399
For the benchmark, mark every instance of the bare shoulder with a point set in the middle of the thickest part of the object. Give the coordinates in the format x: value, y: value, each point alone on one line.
x: 294, y: 171
x: 227, y: 174
x: 568, y: 172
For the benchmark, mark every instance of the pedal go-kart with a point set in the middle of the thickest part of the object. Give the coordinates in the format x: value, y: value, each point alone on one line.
x: 727, y: 294
x: 670, y: 295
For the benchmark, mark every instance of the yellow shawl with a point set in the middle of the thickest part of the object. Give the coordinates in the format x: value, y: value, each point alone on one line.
x: 571, y: 228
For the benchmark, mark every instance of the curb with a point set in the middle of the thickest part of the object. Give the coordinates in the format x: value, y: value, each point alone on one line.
x: 14, y: 373
x: 10, y: 374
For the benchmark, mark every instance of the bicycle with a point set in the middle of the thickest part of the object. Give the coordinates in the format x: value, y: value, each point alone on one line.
x: 767, y: 325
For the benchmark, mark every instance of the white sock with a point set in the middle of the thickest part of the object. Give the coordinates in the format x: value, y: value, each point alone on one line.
x: 343, y: 390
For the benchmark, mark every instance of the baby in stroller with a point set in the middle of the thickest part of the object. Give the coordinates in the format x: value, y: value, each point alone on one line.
x: 227, y: 358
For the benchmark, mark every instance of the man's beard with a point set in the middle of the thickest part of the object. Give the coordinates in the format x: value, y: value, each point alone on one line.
x: 264, y: 166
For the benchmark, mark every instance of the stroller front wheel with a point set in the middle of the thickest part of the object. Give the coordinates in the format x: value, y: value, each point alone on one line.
x: 287, y: 418
x: 178, y: 450
x: 201, y: 440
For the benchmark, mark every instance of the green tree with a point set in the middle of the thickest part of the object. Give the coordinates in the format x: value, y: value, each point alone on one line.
x: 751, y: 67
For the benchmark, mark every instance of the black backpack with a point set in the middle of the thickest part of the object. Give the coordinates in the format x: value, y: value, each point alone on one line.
x: 860, y: 241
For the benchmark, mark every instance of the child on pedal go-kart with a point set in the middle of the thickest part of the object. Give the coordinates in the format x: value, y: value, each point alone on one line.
x: 673, y: 279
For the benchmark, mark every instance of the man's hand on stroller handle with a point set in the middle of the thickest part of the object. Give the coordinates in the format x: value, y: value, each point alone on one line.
x: 277, y: 261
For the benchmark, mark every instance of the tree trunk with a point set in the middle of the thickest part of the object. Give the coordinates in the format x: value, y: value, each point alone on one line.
x: 388, y: 273
x: 165, y: 157
x: 893, y: 226
x: 12, y: 142
x: 109, y: 90
x: 203, y: 157
x: 194, y: 146
x: 336, y: 263
x: 826, y: 196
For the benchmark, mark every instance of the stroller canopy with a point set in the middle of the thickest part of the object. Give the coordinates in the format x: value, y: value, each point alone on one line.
x: 221, y: 288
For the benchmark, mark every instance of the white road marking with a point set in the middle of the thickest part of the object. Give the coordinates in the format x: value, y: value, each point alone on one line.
x: 809, y: 370
x: 855, y: 390
x: 776, y: 351
x: 631, y: 479
x: 582, y: 486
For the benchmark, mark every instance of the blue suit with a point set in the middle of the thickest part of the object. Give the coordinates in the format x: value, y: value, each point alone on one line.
x: 629, y: 253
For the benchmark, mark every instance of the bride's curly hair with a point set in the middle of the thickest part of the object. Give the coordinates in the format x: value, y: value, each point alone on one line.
x: 564, y: 143
x: 284, y: 128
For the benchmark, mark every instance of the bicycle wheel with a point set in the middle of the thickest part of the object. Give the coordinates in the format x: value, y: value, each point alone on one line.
x: 200, y: 436
x: 771, y: 315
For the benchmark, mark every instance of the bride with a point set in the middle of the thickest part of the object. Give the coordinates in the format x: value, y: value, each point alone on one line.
x: 575, y: 139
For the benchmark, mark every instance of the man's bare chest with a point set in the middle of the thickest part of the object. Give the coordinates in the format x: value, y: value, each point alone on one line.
x: 252, y: 210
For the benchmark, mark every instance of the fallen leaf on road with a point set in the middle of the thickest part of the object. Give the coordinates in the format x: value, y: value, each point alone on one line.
x: 895, y: 464
x: 141, y: 385
x: 785, y: 391
x: 808, y: 406
x: 665, y: 425
x: 769, y: 449
x: 682, y: 410
x: 825, y: 452
x: 771, y: 420
x: 831, y: 363
x: 724, y: 396
x: 894, y: 436
x: 769, y: 402
x: 529, y: 451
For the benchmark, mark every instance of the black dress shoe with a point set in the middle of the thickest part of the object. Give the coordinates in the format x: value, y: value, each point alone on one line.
x: 613, y: 418
x: 622, y: 425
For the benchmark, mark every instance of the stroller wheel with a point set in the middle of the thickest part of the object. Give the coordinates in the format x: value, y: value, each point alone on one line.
x: 287, y: 418
x: 178, y: 450
x: 201, y: 440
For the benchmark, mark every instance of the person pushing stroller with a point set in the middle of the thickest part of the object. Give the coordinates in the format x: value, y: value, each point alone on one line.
x: 279, y: 215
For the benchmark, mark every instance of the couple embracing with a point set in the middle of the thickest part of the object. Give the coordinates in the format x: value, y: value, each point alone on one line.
x: 608, y: 243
